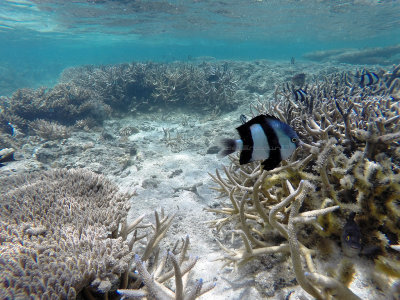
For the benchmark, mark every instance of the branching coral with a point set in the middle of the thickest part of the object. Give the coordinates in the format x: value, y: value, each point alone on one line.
x: 392, y: 81
x: 145, y: 86
x: 49, y: 130
x: 57, y: 236
x: 64, y: 234
x: 154, y: 287
x: 350, y: 156
x: 64, y: 103
x: 92, y: 93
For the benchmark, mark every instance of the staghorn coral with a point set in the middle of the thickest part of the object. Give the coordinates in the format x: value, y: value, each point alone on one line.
x: 154, y: 287
x: 64, y: 234
x: 351, y: 158
x: 50, y: 130
x: 392, y: 81
x: 147, y: 86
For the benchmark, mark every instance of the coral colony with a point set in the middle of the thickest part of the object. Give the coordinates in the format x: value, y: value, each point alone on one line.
x: 349, y: 164
x: 75, y: 240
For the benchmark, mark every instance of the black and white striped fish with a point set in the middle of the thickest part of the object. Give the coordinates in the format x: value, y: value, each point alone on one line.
x: 368, y: 78
x: 300, y: 95
x: 264, y: 138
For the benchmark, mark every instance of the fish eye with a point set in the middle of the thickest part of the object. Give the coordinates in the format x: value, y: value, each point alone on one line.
x: 294, y: 140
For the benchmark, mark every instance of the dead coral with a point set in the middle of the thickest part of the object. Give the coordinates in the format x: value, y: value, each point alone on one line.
x: 154, y: 279
x: 169, y: 271
x: 351, y: 157
x: 176, y: 143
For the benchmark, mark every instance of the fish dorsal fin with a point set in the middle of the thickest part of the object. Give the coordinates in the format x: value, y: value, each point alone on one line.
x: 271, y: 117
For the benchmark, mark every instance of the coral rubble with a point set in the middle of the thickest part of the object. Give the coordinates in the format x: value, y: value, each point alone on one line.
x: 349, y: 162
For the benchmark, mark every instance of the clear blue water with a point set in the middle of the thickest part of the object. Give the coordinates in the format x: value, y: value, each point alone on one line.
x: 39, y: 38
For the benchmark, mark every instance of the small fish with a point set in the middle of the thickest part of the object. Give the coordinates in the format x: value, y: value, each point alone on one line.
x: 243, y: 118
x: 264, y: 138
x: 6, y: 155
x: 368, y: 78
x: 300, y: 95
x: 12, y: 128
x: 212, y: 78
x: 351, y: 237
x: 299, y: 79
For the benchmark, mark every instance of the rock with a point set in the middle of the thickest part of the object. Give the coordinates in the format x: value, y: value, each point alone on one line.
x: 175, y: 173
x: 150, y: 183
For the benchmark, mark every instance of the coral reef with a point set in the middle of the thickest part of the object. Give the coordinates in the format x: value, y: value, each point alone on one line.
x: 88, y: 94
x: 349, y: 160
x: 64, y: 234
x: 147, y: 86
x: 64, y: 103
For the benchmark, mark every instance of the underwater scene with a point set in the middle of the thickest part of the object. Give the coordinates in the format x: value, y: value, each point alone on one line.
x: 200, y: 149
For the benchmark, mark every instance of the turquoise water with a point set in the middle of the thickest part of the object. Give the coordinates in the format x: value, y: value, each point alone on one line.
x: 39, y: 38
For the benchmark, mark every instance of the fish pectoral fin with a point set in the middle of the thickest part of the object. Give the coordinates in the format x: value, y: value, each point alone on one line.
x: 269, y: 164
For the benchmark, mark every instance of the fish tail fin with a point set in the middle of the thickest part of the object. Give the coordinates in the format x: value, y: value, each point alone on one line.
x: 228, y: 147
